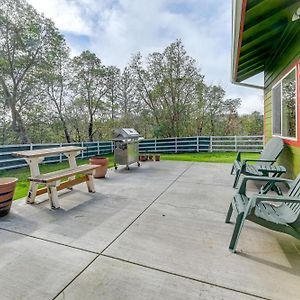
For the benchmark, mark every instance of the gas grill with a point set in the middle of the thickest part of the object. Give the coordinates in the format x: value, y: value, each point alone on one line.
x: 126, y: 147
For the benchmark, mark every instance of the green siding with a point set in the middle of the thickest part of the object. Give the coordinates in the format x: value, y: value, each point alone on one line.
x: 290, y: 158
x: 270, y: 43
x: 268, y: 115
x: 286, y: 52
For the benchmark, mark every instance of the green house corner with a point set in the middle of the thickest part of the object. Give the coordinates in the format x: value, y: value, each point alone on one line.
x: 266, y: 39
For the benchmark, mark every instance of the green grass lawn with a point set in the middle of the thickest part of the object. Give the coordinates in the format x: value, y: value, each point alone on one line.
x: 23, y: 173
x: 216, y: 157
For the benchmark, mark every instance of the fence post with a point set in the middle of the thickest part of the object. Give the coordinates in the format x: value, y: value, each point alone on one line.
x: 155, y: 145
x: 112, y: 146
x: 197, y: 143
x: 31, y: 146
x: 175, y: 144
x: 60, y: 155
x: 82, y: 154
x: 210, y: 143
x: 235, y: 143
x: 98, y: 148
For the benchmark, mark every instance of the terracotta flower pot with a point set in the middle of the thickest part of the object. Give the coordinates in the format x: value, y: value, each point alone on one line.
x: 143, y: 157
x: 7, y: 189
x: 99, y: 172
x: 157, y: 157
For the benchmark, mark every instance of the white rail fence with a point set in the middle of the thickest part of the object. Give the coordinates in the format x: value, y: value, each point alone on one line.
x: 167, y: 145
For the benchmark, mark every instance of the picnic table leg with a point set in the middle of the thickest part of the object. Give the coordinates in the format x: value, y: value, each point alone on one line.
x: 53, y: 196
x: 35, y: 171
x: 90, y: 183
x: 72, y: 160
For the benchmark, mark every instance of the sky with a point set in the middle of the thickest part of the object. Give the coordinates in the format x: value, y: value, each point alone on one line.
x: 117, y: 29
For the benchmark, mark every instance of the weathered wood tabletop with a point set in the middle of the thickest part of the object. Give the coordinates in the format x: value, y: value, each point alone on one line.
x: 47, y: 152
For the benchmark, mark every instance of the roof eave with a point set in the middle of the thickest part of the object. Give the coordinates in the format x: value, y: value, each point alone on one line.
x: 238, y: 17
x: 237, y: 10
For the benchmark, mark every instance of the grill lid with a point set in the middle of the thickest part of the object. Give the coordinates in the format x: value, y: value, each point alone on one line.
x: 125, y: 133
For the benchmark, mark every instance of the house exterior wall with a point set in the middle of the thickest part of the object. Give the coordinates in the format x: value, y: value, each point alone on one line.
x: 286, y: 59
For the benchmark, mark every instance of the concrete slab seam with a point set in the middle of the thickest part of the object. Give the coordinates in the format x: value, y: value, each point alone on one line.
x: 183, y: 276
x: 49, y: 241
x: 145, y: 209
x: 156, y: 198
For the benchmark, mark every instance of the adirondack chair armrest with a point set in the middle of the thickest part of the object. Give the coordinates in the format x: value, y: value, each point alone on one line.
x: 276, y: 198
x: 243, y: 185
x: 260, y: 160
x: 239, y: 154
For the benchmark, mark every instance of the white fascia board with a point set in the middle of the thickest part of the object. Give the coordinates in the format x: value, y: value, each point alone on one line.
x: 237, y: 6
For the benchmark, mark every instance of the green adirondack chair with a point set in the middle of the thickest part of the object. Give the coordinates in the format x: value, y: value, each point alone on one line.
x: 268, y: 156
x: 278, y: 213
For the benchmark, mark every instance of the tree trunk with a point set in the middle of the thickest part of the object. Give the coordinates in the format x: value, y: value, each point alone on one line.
x: 91, y: 123
x: 65, y: 128
x: 18, y: 125
x: 78, y: 134
x: 67, y: 135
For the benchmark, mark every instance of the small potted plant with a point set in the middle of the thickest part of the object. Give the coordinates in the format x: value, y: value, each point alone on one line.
x: 7, y: 190
x: 143, y: 157
x: 99, y: 172
x: 150, y: 156
x: 157, y: 157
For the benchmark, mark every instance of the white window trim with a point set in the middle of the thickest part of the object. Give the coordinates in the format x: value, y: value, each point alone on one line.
x: 296, y: 106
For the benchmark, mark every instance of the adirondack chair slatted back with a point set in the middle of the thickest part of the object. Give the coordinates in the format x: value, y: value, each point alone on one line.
x: 272, y: 150
x: 295, y: 188
x: 295, y: 192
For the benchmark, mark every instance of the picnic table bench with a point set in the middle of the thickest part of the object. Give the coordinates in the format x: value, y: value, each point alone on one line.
x: 52, y: 180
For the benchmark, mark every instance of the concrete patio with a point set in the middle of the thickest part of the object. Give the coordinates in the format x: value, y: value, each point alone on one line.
x: 154, y: 232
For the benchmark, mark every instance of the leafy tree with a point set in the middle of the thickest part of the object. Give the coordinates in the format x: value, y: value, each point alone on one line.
x: 232, y: 118
x: 25, y: 40
x: 199, y: 111
x: 113, y: 92
x: 55, y: 79
x: 214, y: 99
x: 45, y: 96
x: 252, y: 124
x: 129, y: 105
x: 90, y: 85
x: 168, y: 86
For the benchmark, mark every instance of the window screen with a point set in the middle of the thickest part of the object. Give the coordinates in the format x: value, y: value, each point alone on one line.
x: 289, y: 105
x: 276, y: 111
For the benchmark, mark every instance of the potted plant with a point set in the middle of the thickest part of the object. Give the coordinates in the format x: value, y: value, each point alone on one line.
x: 99, y: 172
x: 7, y: 190
x: 157, y: 157
x: 143, y: 157
x: 150, y: 156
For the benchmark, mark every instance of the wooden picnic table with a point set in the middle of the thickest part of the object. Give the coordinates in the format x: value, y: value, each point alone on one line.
x: 52, y: 180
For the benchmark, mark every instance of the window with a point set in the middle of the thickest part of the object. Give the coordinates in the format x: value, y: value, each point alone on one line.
x: 277, y: 109
x: 284, y: 106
